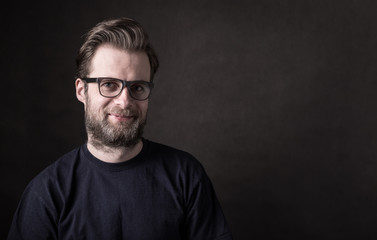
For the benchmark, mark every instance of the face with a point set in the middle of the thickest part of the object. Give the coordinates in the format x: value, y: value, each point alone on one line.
x: 118, y: 121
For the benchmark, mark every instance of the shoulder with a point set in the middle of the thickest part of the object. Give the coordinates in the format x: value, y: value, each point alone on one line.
x: 174, y: 159
x: 63, y: 163
x: 57, y: 172
x: 165, y: 150
x: 168, y: 153
x: 50, y: 187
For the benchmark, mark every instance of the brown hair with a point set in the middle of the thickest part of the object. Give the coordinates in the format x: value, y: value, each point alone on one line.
x: 123, y: 33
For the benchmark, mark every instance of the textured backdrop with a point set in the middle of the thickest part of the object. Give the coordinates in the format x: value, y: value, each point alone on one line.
x: 277, y: 99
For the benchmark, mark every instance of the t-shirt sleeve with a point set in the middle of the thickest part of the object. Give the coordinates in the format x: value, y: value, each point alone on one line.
x: 33, y: 219
x: 204, y: 216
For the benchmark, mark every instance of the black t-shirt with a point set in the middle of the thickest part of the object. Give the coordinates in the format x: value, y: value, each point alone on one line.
x: 162, y: 193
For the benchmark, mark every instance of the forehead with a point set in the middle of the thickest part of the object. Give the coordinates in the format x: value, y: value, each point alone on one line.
x: 109, y: 61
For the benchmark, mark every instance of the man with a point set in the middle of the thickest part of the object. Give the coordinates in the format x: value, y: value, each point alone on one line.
x: 119, y: 185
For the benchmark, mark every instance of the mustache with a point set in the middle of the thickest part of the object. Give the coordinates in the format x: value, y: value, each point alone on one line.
x: 128, y: 112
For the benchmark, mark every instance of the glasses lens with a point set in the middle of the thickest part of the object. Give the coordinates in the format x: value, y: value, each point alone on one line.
x: 110, y: 87
x: 139, y: 90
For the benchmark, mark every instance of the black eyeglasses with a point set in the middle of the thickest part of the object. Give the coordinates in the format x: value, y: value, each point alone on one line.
x: 112, y: 87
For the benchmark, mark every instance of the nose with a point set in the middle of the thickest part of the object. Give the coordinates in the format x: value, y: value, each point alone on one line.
x: 123, y: 99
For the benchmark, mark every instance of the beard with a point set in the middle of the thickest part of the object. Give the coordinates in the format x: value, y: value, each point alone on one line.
x: 122, y: 134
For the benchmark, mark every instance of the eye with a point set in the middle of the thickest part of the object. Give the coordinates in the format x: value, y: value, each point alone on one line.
x: 138, y: 87
x: 110, y: 85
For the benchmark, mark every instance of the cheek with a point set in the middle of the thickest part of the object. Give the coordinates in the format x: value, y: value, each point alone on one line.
x: 144, y: 107
x: 96, y: 105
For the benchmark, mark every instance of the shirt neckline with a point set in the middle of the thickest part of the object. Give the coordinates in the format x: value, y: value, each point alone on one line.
x: 114, y: 167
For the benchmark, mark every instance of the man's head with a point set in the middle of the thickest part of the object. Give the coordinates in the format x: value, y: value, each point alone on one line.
x: 122, y: 33
x: 115, y: 49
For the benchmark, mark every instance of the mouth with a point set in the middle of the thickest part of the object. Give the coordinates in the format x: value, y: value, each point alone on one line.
x: 121, y: 117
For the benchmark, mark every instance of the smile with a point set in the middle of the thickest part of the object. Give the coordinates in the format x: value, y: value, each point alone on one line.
x: 121, y: 117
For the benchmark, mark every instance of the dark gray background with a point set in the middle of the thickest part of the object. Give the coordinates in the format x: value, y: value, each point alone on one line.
x: 277, y: 99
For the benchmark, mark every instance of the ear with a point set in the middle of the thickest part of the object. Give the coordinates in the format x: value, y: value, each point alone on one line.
x: 80, y: 90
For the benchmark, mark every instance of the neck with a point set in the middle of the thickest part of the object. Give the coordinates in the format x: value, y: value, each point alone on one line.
x: 114, y: 155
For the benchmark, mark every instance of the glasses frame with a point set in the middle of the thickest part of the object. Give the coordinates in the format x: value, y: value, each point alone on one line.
x: 125, y: 83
